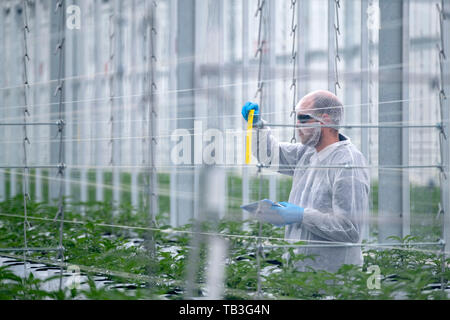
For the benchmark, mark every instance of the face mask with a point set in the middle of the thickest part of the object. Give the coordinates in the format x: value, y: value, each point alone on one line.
x: 311, y: 136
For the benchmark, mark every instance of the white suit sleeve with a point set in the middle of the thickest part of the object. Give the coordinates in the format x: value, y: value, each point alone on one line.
x: 349, y: 208
x: 280, y: 156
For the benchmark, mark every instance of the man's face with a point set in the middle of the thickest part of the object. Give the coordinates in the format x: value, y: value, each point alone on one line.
x: 303, y: 111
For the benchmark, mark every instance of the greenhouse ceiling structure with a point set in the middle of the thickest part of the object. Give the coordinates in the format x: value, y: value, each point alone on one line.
x: 125, y: 157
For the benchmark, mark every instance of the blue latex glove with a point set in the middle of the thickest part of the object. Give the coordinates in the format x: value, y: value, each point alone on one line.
x: 246, y: 110
x: 290, y: 213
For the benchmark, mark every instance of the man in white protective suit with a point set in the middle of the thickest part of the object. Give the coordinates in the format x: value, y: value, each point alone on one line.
x: 329, y: 199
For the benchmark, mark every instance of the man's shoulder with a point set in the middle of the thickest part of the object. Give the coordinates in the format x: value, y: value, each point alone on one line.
x: 349, y: 154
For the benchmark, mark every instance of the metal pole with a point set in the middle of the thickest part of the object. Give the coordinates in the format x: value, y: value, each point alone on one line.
x: 55, y: 70
x: 86, y: 68
x: 365, y: 150
x: 134, y: 115
x: 71, y: 93
x: 60, y: 11
x: 245, y: 93
x: 270, y: 74
x: 221, y: 93
x: 14, y: 62
x: 390, y: 190
x: 153, y: 114
x: 151, y: 174
x: 185, y: 80
x: 350, y: 41
x: 118, y: 113
x: 111, y: 82
x: 26, y: 140
x: 97, y: 112
x: 302, y: 45
x: 445, y: 114
x: 2, y: 93
x: 173, y: 98
x: 331, y: 44
x: 260, y: 12
x: 39, y: 23
x: 405, y: 196
x: 145, y: 143
x: 213, y: 203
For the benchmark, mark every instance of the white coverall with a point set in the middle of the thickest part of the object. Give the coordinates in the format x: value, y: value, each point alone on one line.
x: 335, y: 200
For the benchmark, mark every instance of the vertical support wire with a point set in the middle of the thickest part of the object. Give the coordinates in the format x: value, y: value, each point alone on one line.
x: 152, y: 114
x: 294, y: 65
x: 153, y: 119
x: 365, y: 93
x: 26, y: 141
x: 60, y: 6
x: 442, y: 135
x: 144, y: 101
x: 111, y: 78
x: 259, y: 91
x: 111, y: 82
x: 337, y: 58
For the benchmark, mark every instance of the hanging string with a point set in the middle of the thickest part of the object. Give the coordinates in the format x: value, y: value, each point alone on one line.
x: 293, y: 61
x: 114, y: 68
x: 111, y: 81
x: 151, y: 174
x: 337, y: 58
x: 259, y: 91
x: 144, y: 101
x: 60, y: 6
x: 153, y: 183
x: 442, y: 136
x: 26, y: 141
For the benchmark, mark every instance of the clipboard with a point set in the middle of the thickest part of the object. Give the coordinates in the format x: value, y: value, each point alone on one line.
x: 266, y: 212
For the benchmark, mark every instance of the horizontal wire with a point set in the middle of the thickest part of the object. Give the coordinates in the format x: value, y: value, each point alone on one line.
x: 129, y: 106
x: 126, y: 275
x: 128, y: 72
x: 162, y: 62
x: 192, y: 166
x: 30, y: 249
x: 131, y: 72
x: 382, y: 245
x: 127, y: 188
x: 30, y: 124
x: 280, y: 166
x: 170, y: 91
x: 189, y: 168
x: 143, y: 95
x: 350, y: 126
x: 170, y: 231
x: 226, y: 132
x: 85, y: 113
x: 89, y: 184
x: 32, y: 167
x: 96, y: 270
x: 168, y: 62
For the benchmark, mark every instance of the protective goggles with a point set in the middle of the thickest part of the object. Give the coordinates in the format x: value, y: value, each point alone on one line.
x: 304, y: 118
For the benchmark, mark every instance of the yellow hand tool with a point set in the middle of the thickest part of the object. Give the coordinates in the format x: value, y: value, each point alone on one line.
x: 248, y: 150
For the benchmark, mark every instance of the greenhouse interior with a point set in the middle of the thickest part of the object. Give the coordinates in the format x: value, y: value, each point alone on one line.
x: 133, y: 160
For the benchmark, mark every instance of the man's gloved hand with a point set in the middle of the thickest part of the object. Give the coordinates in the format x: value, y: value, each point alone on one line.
x: 246, y: 110
x: 290, y: 213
